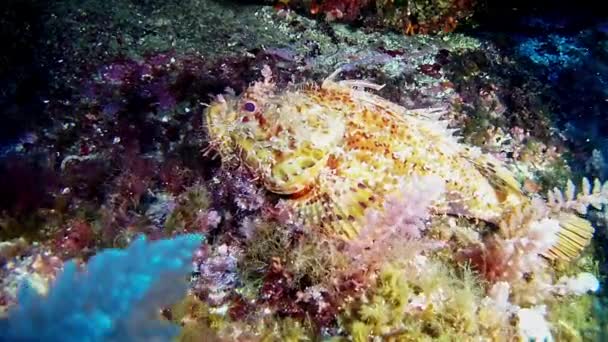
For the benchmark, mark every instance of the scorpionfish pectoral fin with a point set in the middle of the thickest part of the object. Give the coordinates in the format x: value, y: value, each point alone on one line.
x: 338, y: 208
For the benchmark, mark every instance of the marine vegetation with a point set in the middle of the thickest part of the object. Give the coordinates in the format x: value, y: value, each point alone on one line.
x: 338, y: 158
x: 407, y: 16
x: 436, y: 186
x: 336, y: 151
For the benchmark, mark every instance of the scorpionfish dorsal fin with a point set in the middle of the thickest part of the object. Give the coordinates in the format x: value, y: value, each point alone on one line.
x: 493, y: 169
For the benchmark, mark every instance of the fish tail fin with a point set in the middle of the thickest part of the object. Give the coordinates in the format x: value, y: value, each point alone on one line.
x: 574, y: 235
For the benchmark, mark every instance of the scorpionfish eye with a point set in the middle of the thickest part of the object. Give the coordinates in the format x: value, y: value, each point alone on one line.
x: 249, y: 106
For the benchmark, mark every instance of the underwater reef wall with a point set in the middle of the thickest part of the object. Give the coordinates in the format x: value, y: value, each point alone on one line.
x: 149, y: 111
x: 409, y: 17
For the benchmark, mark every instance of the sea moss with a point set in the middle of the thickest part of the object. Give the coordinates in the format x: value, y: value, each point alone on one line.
x: 197, y: 321
x: 438, y: 303
x: 194, y: 202
x: 573, y: 319
x: 309, y: 258
x: 200, y: 322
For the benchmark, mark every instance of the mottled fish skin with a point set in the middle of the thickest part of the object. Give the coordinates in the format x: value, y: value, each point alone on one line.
x: 336, y: 150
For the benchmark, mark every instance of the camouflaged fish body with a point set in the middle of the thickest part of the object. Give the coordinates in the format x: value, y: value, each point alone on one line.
x: 336, y: 150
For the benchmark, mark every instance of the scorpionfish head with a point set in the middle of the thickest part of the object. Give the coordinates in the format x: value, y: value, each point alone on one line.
x: 285, y: 137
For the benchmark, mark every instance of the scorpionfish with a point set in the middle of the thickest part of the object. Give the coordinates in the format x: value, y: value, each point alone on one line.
x: 335, y: 150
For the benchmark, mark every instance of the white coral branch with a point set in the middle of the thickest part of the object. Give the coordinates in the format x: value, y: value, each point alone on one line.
x: 595, y: 196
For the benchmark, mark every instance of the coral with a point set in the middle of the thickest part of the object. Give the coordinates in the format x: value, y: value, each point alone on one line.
x: 134, y: 179
x: 294, y: 273
x: 600, y: 310
x: 269, y: 241
x: 517, y: 255
x: 555, y: 171
x: 449, y: 306
x: 580, y: 284
x: 97, y: 305
x: 161, y: 206
x: 237, y: 187
x: 537, y: 303
x: 175, y: 176
x: 348, y: 10
x: 560, y: 320
x: 596, y: 164
x: 202, y: 322
x: 595, y: 196
x: 517, y: 260
x: 11, y: 248
x: 382, y: 312
x: 532, y: 324
x: 316, y: 259
x: 285, y: 298
x: 288, y: 330
x: 410, y: 17
x: 75, y: 239
x: 406, y: 212
x: 86, y: 177
x: 310, y: 257
x: 388, y: 233
x: 555, y: 52
x: 217, y: 273
x: 35, y: 265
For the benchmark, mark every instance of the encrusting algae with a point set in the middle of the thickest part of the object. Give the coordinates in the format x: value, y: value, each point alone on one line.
x: 336, y: 150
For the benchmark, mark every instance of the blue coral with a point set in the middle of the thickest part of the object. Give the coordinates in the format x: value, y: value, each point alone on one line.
x: 554, y: 51
x: 116, y: 298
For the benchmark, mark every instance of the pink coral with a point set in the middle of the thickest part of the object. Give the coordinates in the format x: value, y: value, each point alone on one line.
x: 237, y: 187
x: 403, y: 218
x: 75, y: 239
x: 217, y: 273
x: 206, y: 221
x: 513, y: 259
x: 348, y: 10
